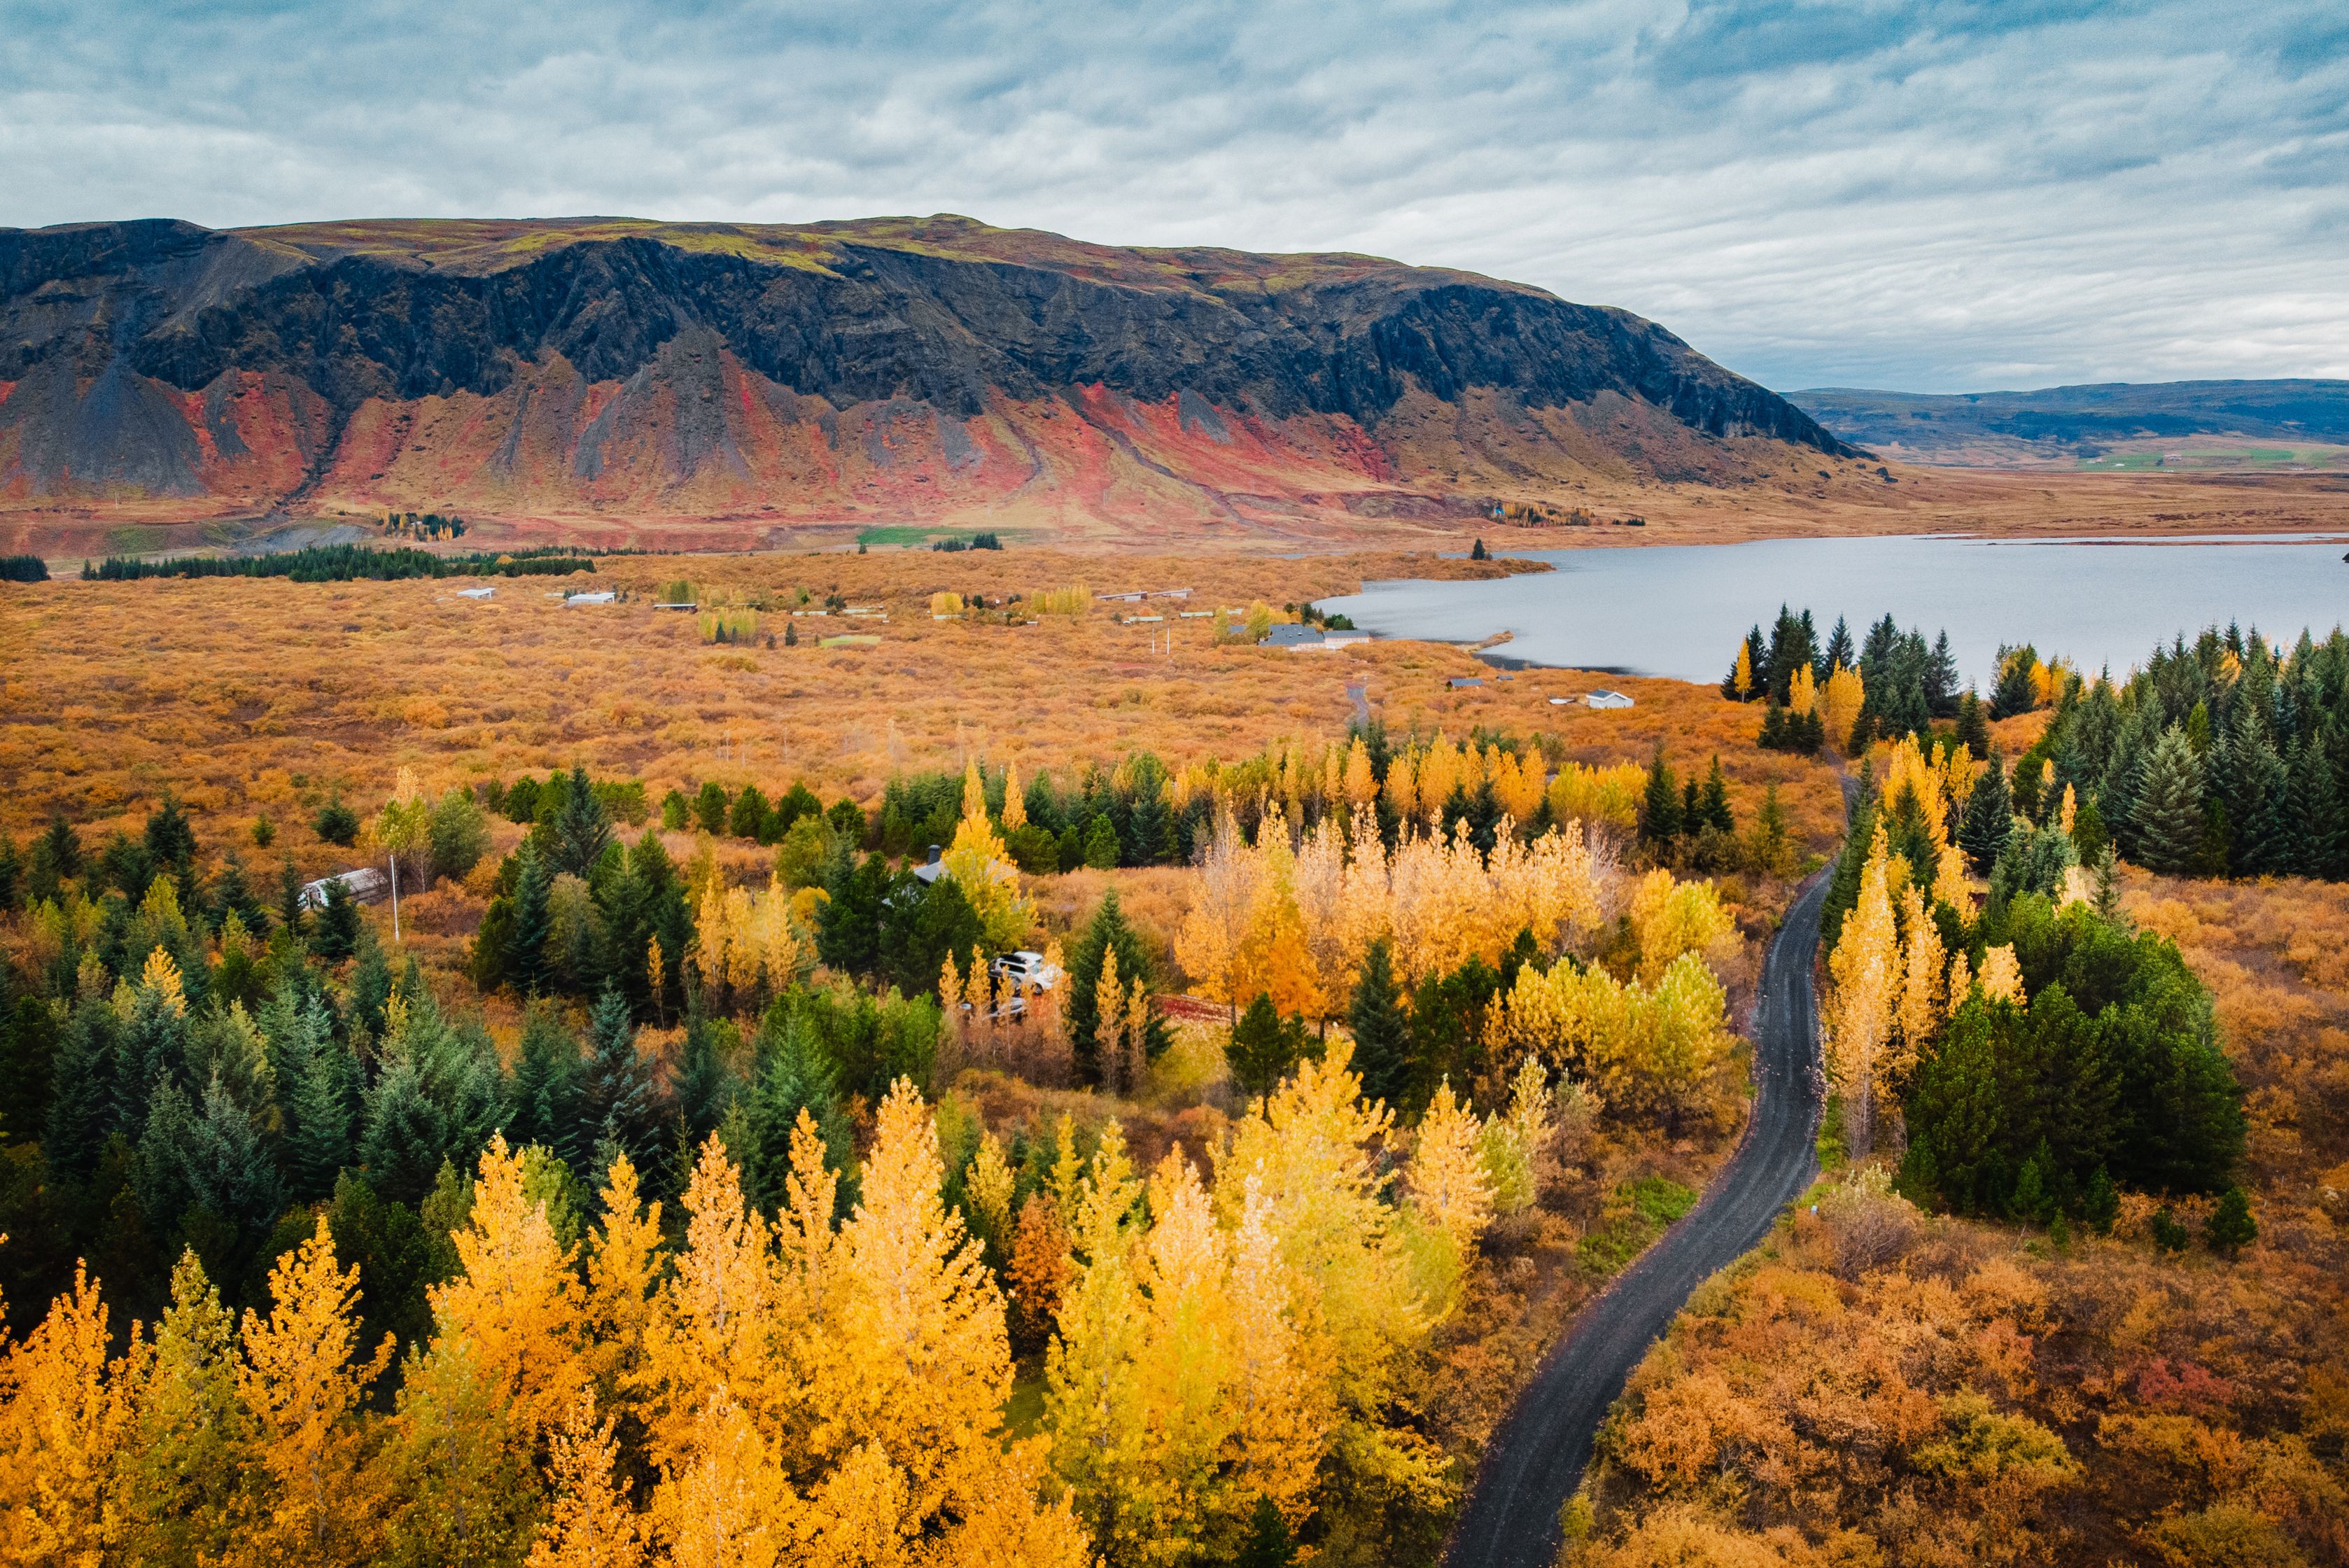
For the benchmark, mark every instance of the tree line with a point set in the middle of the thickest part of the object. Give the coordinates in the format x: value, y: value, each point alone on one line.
x: 348, y: 563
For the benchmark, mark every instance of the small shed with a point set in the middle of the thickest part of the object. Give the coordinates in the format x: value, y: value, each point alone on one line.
x: 604, y: 597
x: 475, y: 593
x: 365, y: 885
x: 1607, y: 699
x: 1458, y: 681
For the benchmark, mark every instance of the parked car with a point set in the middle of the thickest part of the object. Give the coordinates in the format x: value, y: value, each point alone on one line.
x: 1027, y: 969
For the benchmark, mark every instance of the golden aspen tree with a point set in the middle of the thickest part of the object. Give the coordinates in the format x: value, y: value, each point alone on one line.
x: 1279, y: 1388
x: 1859, y: 1013
x: 1223, y: 899
x: 1403, y: 785
x: 462, y: 1489
x: 924, y: 1355
x: 1015, y: 805
x: 1741, y: 679
x: 990, y: 1183
x: 1920, y: 1011
x: 1439, y: 776
x: 1520, y: 787
x: 68, y: 1419
x: 1609, y: 794
x: 1511, y: 1146
x: 1952, y: 885
x: 1309, y: 1146
x: 186, y: 1432
x: 1331, y: 796
x: 1669, y: 917
x: 982, y: 868
x: 516, y: 1297
x: 1092, y: 1399
x: 623, y: 1271
x: 302, y: 1392
x: 590, y: 1524
x: 1108, y: 1025
x: 1802, y: 690
x: 2067, y: 812
x: 1183, y: 1368
x: 1449, y: 1191
x: 2002, y: 976
x: 1361, y: 780
x: 1962, y: 982
x: 1273, y: 958
x: 1038, y: 1269
x: 807, y: 1248
x: 711, y: 1351
x: 1839, y: 705
x: 1317, y: 884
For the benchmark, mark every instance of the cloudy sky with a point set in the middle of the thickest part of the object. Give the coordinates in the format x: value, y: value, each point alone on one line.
x: 1932, y: 196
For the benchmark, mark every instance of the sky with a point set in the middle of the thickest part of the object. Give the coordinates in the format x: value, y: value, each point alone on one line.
x: 1935, y: 196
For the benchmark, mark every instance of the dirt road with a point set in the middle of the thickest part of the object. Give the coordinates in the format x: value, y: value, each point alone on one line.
x: 1536, y: 1460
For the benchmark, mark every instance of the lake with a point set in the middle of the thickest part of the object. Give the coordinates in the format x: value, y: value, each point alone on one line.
x: 1678, y: 610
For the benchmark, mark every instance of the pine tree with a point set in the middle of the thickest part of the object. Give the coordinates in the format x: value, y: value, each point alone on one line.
x: 28, y: 1056
x: 1989, y: 818
x: 291, y: 916
x: 619, y: 1101
x: 2169, y: 816
x: 1973, y: 725
x: 1262, y: 1047
x: 793, y: 1079
x: 542, y: 1096
x: 406, y: 1138
x: 2321, y: 841
x: 2231, y: 1228
x: 337, y: 934
x: 527, y: 960
x: 1382, y: 1045
x: 1713, y: 803
x: 319, y: 1096
x: 1659, y: 810
x: 227, y: 1171
x: 583, y: 829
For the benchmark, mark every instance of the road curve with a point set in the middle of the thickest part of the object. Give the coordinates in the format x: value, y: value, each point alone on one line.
x: 1537, y: 1459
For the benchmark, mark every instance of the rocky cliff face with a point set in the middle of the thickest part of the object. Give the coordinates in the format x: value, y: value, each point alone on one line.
x: 928, y: 370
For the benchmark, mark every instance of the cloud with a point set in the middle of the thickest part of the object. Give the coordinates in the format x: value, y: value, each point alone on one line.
x: 1936, y: 196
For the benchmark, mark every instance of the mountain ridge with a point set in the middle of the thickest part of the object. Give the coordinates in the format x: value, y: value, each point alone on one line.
x: 854, y: 370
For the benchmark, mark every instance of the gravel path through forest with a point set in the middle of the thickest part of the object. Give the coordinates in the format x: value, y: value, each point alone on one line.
x: 1537, y: 1458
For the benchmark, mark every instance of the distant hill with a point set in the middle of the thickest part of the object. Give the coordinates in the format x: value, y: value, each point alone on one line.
x: 2269, y: 424
x: 873, y: 370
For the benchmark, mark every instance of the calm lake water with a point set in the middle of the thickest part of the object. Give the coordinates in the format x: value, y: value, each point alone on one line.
x: 1679, y: 610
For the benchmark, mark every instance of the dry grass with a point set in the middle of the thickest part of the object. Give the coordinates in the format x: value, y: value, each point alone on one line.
x: 251, y: 696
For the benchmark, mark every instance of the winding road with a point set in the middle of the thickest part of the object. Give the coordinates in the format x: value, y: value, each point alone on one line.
x: 1537, y: 1459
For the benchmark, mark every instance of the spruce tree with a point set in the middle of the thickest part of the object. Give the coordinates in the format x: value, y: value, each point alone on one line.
x: 2319, y: 840
x: 29, y: 1048
x: 619, y: 1101
x: 1713, y: 803
x: 12, y: 873
x: 319, y: 1098
x: 543, y: 1097
x: 2231, y: 1228
x: 706, y: 1084
x: 583, y: 829
x: 1659, y: 808
x: 2167, y: 816
x: 337, y: 934
x: 291, y: 916
x: 2254, y: 785
x: 792, y: 1075
x: 1383, y: 1047
x: 170, y: 843
x: 1838, y: 653
x: 1989, y: 818
x: 1264, y: 1048
x: 403, y: 1145
x: 526, y: 958
x: 227, y: 1171
x: 1973, y: 725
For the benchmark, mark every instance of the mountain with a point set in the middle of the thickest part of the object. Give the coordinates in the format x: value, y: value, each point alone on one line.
x: 2278, y: 424
x: 919, y: 369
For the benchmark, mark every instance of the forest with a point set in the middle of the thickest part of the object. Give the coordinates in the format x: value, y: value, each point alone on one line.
x: 714, y: 1258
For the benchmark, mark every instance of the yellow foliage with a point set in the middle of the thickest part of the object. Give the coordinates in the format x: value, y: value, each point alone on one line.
x: 591, y: 1524
x: 1859, y: 1011
x: 1802, y: 690
x: 1669, y: 917
x: 1839, y: 705
x: 1608, y: 794
x: 516, y: 1298
x: 2002, y: 976
x: 68, y: 1417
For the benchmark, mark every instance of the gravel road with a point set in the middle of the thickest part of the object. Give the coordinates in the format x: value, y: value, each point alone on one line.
x: 1537, y: 1459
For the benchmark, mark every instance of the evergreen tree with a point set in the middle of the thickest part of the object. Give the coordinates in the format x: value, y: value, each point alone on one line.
x: 1713, y: 805
x: 29, y: 1048
x: 1941, y: 681
x: 1660, y: 809
x: 2014, y: 693
x: 83, y: 1107
x: 170, y: 843
x: 1100, y: 845
x: 583, y: 829
x: 291, y: 916
x: 57, y: 852
x: 705, y: 1086
x: 710, y: 807
x: 1265, y: 1048
x: 619, y: 1102
x: 1989, y: 818
x: 792, y: 1076
x: 543, y: 1096
x: 227, y: 1173
x: 527, y: 965
x: 12, y: 873
x: 337, y: 934
x: 1382, y: 1043
x: 159, y: 1171
x: 1974, y: 724
x: 2168, y: 816
x: 2231, y: 1228
x: 2319, y: 841
x: 2252, y: 781
x: 1838, y: 653
x: 749, y: 815
x: 849, y: 922
x: 405, y: 1138
x: 318, y: 1097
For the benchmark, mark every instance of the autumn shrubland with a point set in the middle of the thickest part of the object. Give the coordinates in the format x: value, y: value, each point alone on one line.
x: 579, y: 1209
